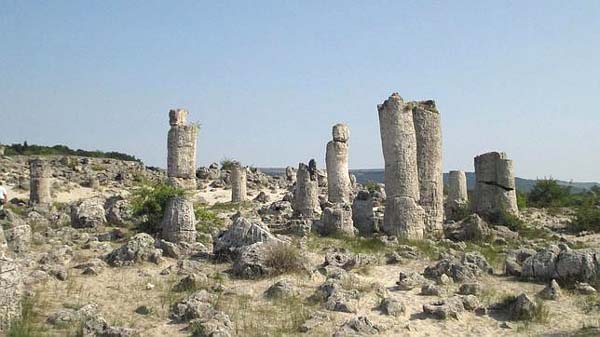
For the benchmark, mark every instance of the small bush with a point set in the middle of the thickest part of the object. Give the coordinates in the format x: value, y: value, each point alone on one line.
x: 587, y: 218
x: 227, y: 164
x: 461, y: 212
x: 522, y: 200
x: 285, y: 258
x: 372, y: 186
x: 150, y: 202
x: 548, y: 193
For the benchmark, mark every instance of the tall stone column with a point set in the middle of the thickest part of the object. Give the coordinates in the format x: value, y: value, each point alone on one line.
x: 458, y: 196
x: 428, y: 129
x: 179, y: 221
x: 338, y: 178
x: 238, y: 183
x: 495, y: 191
x: 39, y: 182
x: 181, y: 154
x: 403, y: 216
x: 306, y: 194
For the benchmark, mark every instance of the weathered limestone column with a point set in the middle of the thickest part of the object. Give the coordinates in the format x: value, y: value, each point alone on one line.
x: 179, y: 221
x: 458, y: 196
x: 2, y: 149
x: 338, y: 178
x: 290, y: 174
x: 403, y: 216
x: 306, y: 195
x: 39, y: 182
x: 428, y: 129
x: 363, y: 216
x: 181, y: 155
x: 495, y: 191
x: 238, y: 183
x: 11, y: 291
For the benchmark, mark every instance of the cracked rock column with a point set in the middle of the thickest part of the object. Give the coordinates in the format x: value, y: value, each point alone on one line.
x: 403, y: 215
x: 428, y: 130
x: 11, y: 291
x: 39, y: 183
x: 181, y: 155
x: 336, y: 157
x: 458, y: 196
x: 495, y: 192
x: 306, y: 201
x: 179, y: 221
x: 238, y: 183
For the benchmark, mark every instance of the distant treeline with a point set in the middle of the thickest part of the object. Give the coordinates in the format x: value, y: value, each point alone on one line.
x: 40, y: 150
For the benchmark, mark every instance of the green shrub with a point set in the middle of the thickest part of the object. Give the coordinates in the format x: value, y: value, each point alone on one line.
x: 285, y: 258
x: 587, y: 218
x: 25, y: 326
x: 371, y: 186
x: 26, y: 149
x: 521, y: 200
x: 150, y: 202
x: 227, y: 164
x: 548, y: 193
x: 208, y: 221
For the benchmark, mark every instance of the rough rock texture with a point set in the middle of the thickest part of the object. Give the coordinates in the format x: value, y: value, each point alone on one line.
x: 118, y: 211
x: 494, y: 194
x: 251, y: 261
x: 339, y: 187
x: 563, y: 264
x: 11, y: 290
x: 472, y: 228
x: 40, y: 180
x: 89, y: 213
x: 18, y: 238
x: 238, y: 183
x: 242, y: 233
x: 428, y: 130
x: 469, y: 267
x: 522, y: 308
x: 363, y: 215
x: 458, y: 196
x: 551, y: 292
x: 403, y: 216
x: 446, y: 308
x: 179, y: 221
x: 138, y: 249
x: 306, y: 195
x: 181, y: 160
x: 358, y: 326
x: 337, y: 219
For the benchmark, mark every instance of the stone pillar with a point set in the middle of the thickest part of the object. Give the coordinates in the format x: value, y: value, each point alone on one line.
x: 339, y: 186
x: 495, y: 192
x: 290, y: 174
x: 428, y: 129
x: 403, y: 216
x: 458, y: 196
x: 238, y: 183
x: 363, y: 216
x: 337, y: 219
x: 11, y: 292
x: 39, y: 182
x: 2, y: 149
x: 178, y: 224
x: 306, y: 195
x: 181, y: 154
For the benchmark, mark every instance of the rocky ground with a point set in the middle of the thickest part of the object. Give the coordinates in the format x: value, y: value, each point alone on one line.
x: 87, y: 271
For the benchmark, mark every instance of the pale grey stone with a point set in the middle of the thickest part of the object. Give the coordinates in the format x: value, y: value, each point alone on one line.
x: 339, y: 186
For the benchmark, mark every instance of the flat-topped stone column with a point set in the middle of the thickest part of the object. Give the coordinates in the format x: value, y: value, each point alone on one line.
x: 428, y: 130
x: 458, y: 196
x: 495, y: 191
x: 179, y: 222
x: 339, y: 186
x: 39, y: 182
x: 306, y: 194
x: 181, y: 154
x: 403, y: 216
x: 238, y: 183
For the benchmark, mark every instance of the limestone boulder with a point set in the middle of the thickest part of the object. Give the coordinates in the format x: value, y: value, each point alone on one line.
x: 89, y: 213
x: 139, y: 248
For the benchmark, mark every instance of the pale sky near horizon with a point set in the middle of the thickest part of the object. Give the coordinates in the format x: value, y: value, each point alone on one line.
x: 268, y: 79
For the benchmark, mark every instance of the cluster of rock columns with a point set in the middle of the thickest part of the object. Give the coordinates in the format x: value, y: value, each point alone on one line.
x: 39, y: 182
x: 238, y: 183
x: 428, y: 130
x: 306, y: 194
x: 495, y: 193
x: 339, y: 186
x: 458, y: 196
x: 403, y: 215
x: 179, y: 221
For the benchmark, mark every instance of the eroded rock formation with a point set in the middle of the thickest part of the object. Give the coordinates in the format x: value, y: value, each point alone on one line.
x: 339, y: 187
x: 238, y: 183
x: 495, y: 194
x: 40, y: 178
x: 306, y: 195
x: 458, y: 196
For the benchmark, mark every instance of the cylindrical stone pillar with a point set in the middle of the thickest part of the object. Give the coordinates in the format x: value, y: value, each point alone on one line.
x: 338, y: 178
x: 428, y: 129
x: 495, y: 193
x: 403, y: 216
x: 179, y: 221
x: 238, y: 183
x: 306, y: 195
x: 181, y: 154
x: 39, y: 182
x: 457, y: 187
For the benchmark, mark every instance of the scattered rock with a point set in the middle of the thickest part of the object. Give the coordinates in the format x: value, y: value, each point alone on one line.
x: 138, y: 249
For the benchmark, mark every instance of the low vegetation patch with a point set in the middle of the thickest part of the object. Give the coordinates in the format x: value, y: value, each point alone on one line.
x: 149, y: 202
x: 29, y: 150
x: 285, y: 259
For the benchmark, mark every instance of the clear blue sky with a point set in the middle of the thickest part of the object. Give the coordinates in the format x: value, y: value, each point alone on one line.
x: 268, y: 79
